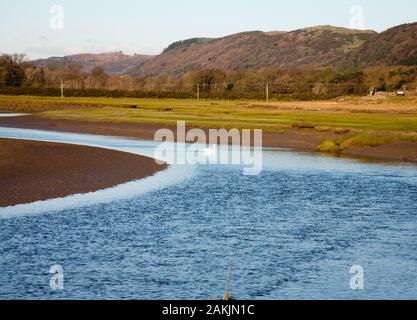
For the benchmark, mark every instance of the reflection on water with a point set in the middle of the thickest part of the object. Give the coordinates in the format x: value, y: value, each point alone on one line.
x: 10, y: 114
x: 292, y: 232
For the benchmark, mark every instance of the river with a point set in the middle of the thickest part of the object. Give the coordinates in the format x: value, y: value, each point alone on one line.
x: 292, y: 232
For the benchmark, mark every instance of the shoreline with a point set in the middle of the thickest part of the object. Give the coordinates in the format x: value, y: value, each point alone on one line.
x: 34, y: 171
x: 296, y: 139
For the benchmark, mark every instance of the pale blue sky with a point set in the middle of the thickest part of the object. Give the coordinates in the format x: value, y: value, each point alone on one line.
x: 149, y: 26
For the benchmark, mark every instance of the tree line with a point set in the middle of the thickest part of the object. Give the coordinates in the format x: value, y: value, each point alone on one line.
x: 18, y: 76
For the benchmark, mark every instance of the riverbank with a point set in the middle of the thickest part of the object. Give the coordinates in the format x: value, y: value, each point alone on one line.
x: 297, y: 139
x: 32, y: 171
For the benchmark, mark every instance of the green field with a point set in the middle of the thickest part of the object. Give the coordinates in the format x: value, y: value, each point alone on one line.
x: 372, y: 122
x: 249, y: 114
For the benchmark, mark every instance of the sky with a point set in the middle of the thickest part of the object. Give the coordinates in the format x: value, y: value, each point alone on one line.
x: 44, y: 28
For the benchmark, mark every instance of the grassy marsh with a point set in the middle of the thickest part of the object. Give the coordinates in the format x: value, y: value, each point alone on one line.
x: 358, y: 121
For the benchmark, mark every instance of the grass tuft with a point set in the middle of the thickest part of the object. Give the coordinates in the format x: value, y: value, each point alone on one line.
x: 328, y: 146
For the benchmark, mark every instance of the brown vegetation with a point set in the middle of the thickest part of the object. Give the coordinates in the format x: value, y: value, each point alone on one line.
x: 395, y: 46
x: 306, y: 48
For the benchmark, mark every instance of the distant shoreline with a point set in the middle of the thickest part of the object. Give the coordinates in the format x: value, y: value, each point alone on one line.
x: 32, y: 171
x: 302, y: 140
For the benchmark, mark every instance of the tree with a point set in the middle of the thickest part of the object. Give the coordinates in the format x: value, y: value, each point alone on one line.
x: 71, y: 75
x: 35, y: 77
x: 97, y: 78
x: 11, y: 71
x: 208, y: 78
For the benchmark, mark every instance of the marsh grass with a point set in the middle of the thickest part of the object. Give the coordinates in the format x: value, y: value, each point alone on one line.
x: 365, y: 139
x: 369, y: 139
x: 408, y: 137
x: 329, y: 146
x: 237, y: 116
x: 357, y: 121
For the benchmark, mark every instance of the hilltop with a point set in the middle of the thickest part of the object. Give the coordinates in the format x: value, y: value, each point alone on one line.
x: 111, y: 62
x: 396, y: 46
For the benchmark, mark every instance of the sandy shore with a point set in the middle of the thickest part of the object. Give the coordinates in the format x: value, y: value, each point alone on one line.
x: 31, y: 171
x: 305, y: 140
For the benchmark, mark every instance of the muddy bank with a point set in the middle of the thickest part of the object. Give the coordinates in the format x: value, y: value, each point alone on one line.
x: 32, y: 171
x: 296, y: 139
x: 397, y: 151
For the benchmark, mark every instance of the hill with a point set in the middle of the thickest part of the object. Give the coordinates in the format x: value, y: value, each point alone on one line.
x: 309, y: 47
x: 321, y: 46
x: 396, y: 46
x: 111, y: 62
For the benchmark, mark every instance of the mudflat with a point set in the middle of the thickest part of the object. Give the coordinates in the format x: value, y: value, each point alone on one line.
x: 32, y: 171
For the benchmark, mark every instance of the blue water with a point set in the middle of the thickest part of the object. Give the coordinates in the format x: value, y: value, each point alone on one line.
x: 292, y: 232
